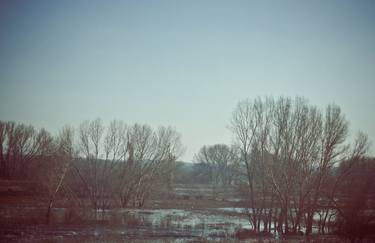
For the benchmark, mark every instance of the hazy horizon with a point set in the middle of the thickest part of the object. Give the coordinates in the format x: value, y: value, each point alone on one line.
x: 183, y: 63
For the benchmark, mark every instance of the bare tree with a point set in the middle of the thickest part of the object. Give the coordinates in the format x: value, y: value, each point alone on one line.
x: 124, y: 162
x: 289, y: 149
x: 58, y: 165
x: 170, y: 141
x: 246, y: 119
x: 20, y: 145
x: 90, y: 138
x: 333, y: 150
x: 222, y: 161
x: 151, y: 156
x: 361, y: 146
x: 352, y: 164
x: 115, y: 150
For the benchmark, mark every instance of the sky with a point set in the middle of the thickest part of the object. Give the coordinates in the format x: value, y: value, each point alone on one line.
x: 183, y: 63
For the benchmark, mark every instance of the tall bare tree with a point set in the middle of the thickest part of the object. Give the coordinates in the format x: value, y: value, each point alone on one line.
x: 289, y: 149
x: 58, y: 166
x: 90, y: 147
x: 333, y: 151
x: 245, y: 123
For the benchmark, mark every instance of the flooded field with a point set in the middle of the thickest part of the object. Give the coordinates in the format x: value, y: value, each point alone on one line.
x: 176, y: 225
x: 25, y: 224
x: 188, y: 217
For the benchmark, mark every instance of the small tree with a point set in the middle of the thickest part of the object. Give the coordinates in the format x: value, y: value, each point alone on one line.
x: 222, y: 162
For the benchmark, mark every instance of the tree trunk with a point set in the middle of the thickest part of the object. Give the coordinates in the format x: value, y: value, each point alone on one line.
x: 48, y: 215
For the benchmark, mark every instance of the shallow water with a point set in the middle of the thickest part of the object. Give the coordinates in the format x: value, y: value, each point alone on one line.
x: 117, y: 225
x: 171, y: 225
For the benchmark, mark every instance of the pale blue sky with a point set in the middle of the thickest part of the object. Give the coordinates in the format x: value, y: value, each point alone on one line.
x: 182, y: 63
